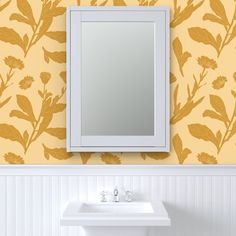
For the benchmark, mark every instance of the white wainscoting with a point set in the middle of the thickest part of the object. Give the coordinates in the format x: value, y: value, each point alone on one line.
x: 201, y: 200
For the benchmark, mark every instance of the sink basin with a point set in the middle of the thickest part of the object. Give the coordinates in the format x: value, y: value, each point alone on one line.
x: 112, y: 214
x: 116, y: 208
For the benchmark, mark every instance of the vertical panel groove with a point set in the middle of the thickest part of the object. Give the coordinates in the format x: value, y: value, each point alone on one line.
x: 198, y: 205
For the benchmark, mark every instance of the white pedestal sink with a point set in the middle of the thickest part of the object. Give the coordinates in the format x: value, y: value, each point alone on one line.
x: 115, y: 219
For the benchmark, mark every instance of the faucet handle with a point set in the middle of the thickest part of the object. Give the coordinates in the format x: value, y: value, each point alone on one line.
x: 128, y: 196
x: 103, y: 196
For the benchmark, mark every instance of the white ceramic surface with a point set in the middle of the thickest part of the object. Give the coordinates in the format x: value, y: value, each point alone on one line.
x: 115, y: 214
x: 115, y: 218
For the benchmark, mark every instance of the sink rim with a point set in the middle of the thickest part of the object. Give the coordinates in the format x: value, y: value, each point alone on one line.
x: 71, y: 216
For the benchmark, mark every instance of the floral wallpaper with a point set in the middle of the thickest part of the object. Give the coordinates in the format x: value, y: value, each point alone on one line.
x: 33, y: 83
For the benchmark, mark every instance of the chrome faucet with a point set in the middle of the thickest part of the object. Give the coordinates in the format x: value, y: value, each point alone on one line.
x: 116, y: 195
x: 103, y: 196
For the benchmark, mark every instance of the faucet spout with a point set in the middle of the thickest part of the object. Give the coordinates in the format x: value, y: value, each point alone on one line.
x: 116, y: 195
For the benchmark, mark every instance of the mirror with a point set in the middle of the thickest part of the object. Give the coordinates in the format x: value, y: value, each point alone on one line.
x: 117, y: 66
x: 116, y: 80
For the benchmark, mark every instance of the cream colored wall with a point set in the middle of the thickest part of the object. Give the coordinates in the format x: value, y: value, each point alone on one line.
x: 203, y: 83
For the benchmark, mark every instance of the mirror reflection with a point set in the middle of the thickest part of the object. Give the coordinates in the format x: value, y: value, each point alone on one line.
x: 117, y: 78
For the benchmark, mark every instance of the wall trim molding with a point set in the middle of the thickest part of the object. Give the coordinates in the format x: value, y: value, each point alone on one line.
x: 117, y: 170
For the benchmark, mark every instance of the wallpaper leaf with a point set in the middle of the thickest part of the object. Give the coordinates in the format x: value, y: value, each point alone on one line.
x: 182, y: 15
x: 59, y: 36
x: 57, y: 132
x: 85, y: 156
x: 203, y: 36
x: 119, y: 3
x: 219, y: 106
x: 63, y: 76
x: 21, y: 19
x: 172, y: 78
x: 10, y: 132
x: 181, y: 56
x: 4, y: 102
x: 110, y: 158
x: 20, y: 115
x: 94, y: 3
x: 59, y: 57
x: 203, y: 132
x: 213, y: 18
x: 58, y: 153
x: 25, y: 8
x: 213, y: 115
x: 155, y: 155
x: 26, y: 106
x: 219, y: 10
x: 205, y: 158
x: 219, y: 17
x: 147, y: 2
x: 181, y: 153
x: 221, y: 115
x: 12, y: 158
x: 9, y: 35
x: 2, y: 7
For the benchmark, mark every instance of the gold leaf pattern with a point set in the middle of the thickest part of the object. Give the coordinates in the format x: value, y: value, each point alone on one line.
x: 110, y: 158
x: 203, y: 36
x: 181, y: 153
x: 59, y: 36
x: 24, y: 103
x: 181, y: 56
x: 155, y: 155
x: 11, y: 133
x: 57, y: 132
x: 59, y: 57
x: 4, y: 5
x: 220, y: 17
x: 26, y: 10
x: 85, y: 156
x: 182, y: 110
x: 9, y: 35
x: 205, y: 158
x: 28, y: 27
x: 219, y: 9
x: 203, y: 132
x: 12, y: 158
x: 119, y: 3
x: 58, y: 153
x: 182, y: 15
x: 218, y: 104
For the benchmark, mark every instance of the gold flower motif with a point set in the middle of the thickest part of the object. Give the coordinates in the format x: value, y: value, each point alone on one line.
x: 26, y: 82
x: 219, y: 82
x: 45, y: 77
x: 205, y: 158
x: 12, y: 158
x: 207, y: 63
x: 14, y: 63
x: 63, y: 76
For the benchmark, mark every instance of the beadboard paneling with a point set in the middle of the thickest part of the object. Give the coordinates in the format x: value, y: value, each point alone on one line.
x: 198, y: 205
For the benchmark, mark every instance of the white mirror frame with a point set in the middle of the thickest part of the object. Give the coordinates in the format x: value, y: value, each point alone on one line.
x: 159, y: 142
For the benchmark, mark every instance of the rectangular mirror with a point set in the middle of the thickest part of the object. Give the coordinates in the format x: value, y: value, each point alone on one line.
x: 118, y: 79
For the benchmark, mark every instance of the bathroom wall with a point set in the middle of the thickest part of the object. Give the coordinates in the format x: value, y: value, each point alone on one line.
x: 200, y: 201
x: 33, y: 83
